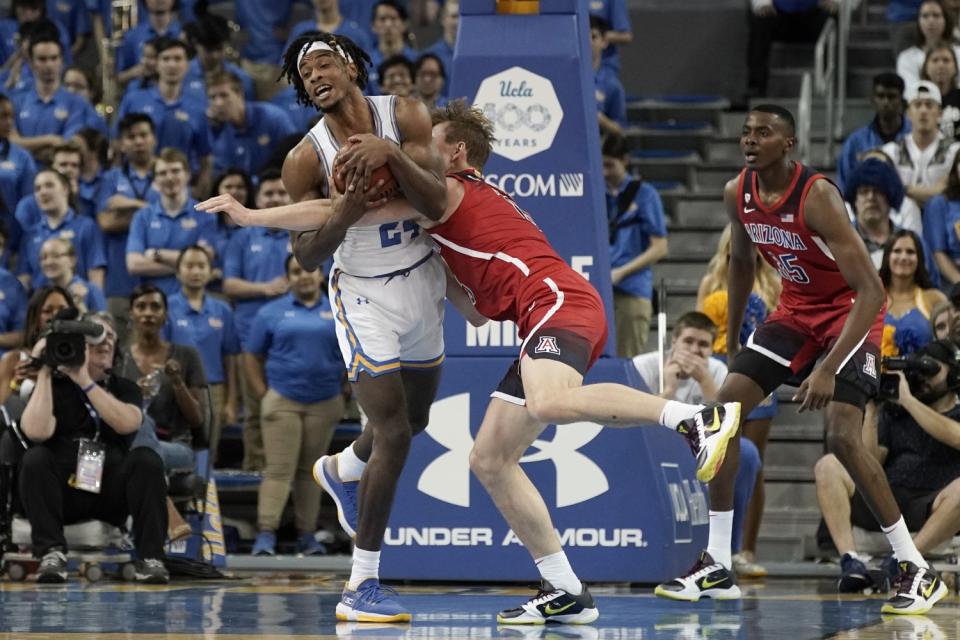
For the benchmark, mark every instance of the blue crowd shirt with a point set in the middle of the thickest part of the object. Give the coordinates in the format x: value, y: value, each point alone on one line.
x: 611, y: 99
x: 616, y: 14
x: 28, y: 212
x: 643, y: 220
x: 17, y: 171
x: 152, y: 228
x: 13, y: 304
x: 131, y: 47
x: 903, y: 10
x: 82, y: 232
x: 88, y: 293
x: 254, y: 254
x: 195, y: 84
x: 941, y: 227
x: 303, y: 361
x: 72, y: 14
x: 63, y: 115
x: 126, y: 182
x: 24, y: 83
x: 302, y: 117
x: 250, y: 147
x: 181, y: 124
x: 210, y: 330
x: 859, y: 142
x: 259, y: 20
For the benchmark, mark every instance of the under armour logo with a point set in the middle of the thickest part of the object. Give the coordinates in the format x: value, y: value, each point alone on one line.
x: 362, y: 300
x: 448, y: 477
x: 548, y: 344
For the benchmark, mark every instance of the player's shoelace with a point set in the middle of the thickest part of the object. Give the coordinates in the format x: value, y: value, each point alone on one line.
x: 153, y: 563
x: 903, y: 580
x: 700, y: 568
x: 543, y: 596
x: 376, y: 592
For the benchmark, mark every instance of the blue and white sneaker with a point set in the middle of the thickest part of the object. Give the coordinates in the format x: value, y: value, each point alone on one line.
x: 344, y: 494
x: 265, y: 544
x: 371, y: 602
x: 308, y: 545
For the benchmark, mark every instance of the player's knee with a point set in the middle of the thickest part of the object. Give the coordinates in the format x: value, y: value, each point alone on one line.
x: 950, y: 500
x: 545, y: 407
x: 485, y: 463
x: 827, y: 468
x: 419, y: 421
x: 843, y: 443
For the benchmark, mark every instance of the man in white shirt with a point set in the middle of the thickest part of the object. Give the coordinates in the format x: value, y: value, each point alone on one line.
x: 924, y: 157
x: 692, y: 375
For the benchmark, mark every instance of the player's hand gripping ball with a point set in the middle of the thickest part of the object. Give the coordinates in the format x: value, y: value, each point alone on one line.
x: 389, y: 190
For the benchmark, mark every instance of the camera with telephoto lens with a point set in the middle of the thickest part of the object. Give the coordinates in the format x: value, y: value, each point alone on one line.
x: 67, y: 339
x: 916, y: 368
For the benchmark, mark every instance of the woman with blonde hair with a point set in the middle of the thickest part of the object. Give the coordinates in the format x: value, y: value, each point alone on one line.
x: 748, y: 492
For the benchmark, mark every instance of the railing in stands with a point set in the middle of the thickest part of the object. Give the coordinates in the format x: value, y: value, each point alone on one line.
x: 123, y: 17
x: 805, y: 117
x: 845, y: 18
x: 825, y: 81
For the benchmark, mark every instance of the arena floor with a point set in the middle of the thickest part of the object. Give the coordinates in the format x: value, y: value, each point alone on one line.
x: 273, y: 607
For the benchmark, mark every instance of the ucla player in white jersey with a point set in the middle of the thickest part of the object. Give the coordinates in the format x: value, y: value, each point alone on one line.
x: 387, y: 287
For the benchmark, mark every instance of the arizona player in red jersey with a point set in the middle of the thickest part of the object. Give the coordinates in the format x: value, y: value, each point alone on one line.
x: 512, y: 273
x: 825, y: 335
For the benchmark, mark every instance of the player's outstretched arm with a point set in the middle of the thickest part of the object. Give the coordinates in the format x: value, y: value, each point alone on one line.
x: 460, y: 299
x: 741, y: 269
x: 416, y: 164
x: 826, y: 217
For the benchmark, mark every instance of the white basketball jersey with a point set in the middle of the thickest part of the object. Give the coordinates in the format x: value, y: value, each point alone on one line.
x: 385, y: 239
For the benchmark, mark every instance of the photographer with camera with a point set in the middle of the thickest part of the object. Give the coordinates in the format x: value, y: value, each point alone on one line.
x: 915, y: 434
x: 80, y: 419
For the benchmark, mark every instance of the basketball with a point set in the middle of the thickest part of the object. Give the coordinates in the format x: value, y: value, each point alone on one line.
x: 389, y: 190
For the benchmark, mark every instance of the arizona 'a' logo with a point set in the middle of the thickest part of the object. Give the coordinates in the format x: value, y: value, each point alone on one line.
x: 870, y: 367
x: 548, y: 344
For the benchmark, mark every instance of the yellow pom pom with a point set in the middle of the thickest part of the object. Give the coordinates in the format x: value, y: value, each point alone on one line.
x: 715, y: 308
x: 888, y: 346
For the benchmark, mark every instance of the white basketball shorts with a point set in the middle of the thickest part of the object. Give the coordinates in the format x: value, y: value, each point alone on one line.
x: 385, y: 324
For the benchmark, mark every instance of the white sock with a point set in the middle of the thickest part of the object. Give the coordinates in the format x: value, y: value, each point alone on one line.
x: 721, y: 537
x: 366, y: 564
x: 556, y: 569
x: 856, y: 556
x: 349, y: 466
x: 902, y: 543
x: 676, y: 412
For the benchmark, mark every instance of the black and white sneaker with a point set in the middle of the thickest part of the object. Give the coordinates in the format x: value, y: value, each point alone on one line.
x: 152, y: 571
x: 553, y: 605
x: 53, y: 568
x: 918, y: 589
x: 705, y: 579
x: 708, y: 433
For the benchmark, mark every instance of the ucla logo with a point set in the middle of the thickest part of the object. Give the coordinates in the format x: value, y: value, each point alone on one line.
x: 447, y: 478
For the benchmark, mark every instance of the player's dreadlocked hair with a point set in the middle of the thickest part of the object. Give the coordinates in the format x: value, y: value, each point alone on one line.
x: 337, y: 43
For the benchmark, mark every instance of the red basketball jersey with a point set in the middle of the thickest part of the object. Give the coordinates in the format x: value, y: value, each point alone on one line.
x: 497, y: 252
x: 814, y: 290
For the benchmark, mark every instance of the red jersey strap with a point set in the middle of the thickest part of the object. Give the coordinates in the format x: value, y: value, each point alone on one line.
x: 467, y: 175
x: 801, y: 211
x: 740, y: 181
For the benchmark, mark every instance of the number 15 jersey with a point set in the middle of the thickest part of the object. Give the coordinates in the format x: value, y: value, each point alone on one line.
x: 815, y: 293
